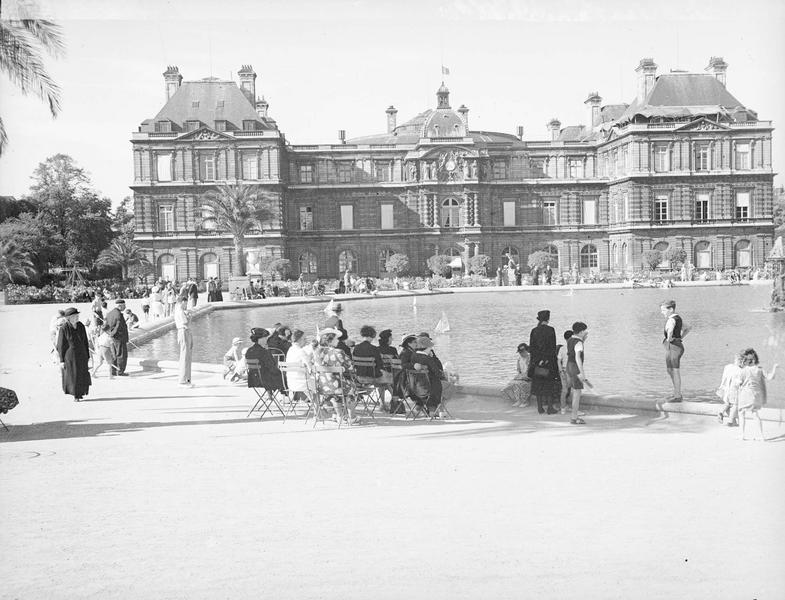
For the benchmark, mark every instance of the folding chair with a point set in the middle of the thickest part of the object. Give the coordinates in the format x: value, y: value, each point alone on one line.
x: 322, y: 401
x: 266, y: 398
x: 277, y: 354
x: 420, y: 380
x: 295, y: 397
x: 398, y: 384
x: 368, y: 391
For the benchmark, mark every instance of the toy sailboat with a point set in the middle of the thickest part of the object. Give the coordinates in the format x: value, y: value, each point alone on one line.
x: 330, y: 306
x: 414, y: 303
x: 443, y: 326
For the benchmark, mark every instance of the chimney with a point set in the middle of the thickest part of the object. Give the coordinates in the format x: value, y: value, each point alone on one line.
x: 342, y: 135
x: 520, y: 132
x: 717, y: 67
x: 392, y: 121
x: 646, y: 71
x: 248, y: 83
x: 261, y: 108
x: 593, y: 102
x: 464, y: 112
x: 554, y: 125
x: 172, y: 81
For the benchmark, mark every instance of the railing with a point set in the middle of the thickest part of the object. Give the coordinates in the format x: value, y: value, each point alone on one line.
x: 163, y: 134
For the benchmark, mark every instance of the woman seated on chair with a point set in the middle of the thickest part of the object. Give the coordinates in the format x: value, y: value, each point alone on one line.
x: 268, y: 375
x: 327, y: 354
x: 423, y: 360
x: 298, y: 381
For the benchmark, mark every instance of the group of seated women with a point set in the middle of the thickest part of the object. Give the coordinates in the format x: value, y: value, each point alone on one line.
x: 422, y: 376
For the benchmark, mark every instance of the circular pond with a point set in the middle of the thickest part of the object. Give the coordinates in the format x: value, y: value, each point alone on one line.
x: 623, y: 353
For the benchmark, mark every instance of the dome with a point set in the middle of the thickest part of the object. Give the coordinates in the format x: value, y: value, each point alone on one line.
x: 444, y: 123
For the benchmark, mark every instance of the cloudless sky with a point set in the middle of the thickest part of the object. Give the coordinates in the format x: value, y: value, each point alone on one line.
x: 325, y: 65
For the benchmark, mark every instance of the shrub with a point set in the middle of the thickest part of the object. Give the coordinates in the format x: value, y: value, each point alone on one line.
x: 439, y: 264
x: 397, y: 264
x: 540, y: 259
x: 651, y: 259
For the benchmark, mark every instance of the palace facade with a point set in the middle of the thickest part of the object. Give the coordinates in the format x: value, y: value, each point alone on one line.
x: 684, y: 165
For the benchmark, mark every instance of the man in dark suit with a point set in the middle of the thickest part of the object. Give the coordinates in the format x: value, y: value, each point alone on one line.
x: 543, y: 369
x: 114, y: 324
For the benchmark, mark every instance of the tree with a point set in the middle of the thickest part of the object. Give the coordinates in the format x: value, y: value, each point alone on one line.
x: 676, y: 256
x: 271, y: 266
x: 397, y: 264
x: 70, y: 209
x: 651, y: 259
x: 238, y: 209
x: 28, y: 231
x: 779, y: 209
x: 439, y: 264
x: 123, y: 217
x: 14, y: 263
x: 10, y: 207
x: 479, y: 263
x: 23, y: 42
x: 540, y: 259
x: 123, y: 253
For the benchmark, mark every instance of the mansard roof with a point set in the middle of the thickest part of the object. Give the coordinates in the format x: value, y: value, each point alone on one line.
x: 201, y: 101
x: 677, y: 95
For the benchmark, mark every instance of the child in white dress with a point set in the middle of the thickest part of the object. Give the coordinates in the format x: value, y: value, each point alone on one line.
x: 752, y: 389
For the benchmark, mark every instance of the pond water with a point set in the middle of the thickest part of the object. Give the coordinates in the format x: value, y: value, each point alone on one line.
x: 623, y: 353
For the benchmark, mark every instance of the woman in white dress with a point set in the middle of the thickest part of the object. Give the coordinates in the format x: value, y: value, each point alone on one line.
x: 297, y: 382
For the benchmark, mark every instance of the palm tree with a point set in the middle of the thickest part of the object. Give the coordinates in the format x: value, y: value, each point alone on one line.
x: 123, y: 252
x: 239, y: 210
x: 15, y: 263
x: 23, y: 41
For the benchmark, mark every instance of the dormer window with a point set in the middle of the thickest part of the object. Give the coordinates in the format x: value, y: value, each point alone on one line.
x: 163, y: 126
x: 192, y: 125
x: 220, y: 125
x: 249, y: 125
x: 195, y: 104
x: 219, y: 104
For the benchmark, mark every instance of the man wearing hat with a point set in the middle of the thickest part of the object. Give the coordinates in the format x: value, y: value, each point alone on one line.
x: 543, y: 367
x: 116, y: 327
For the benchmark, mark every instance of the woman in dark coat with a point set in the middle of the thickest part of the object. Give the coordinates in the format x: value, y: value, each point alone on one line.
x: 74, y: 353
x: 543, y: 366
x: 269, y: 376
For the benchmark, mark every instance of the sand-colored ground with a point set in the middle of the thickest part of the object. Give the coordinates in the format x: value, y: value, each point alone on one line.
x: 149, y: 490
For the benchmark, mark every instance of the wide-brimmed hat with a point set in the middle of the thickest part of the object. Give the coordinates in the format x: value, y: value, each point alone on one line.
x: 70, y: 311
x: 522, y: 346
x: 329, y: 330
x: 423, y: 342
x: 407, y: 337
x: 119, y: 301
x: 237, y: 341
x: 258, y: 333
x: 424, y: 334
x: 544, y: 315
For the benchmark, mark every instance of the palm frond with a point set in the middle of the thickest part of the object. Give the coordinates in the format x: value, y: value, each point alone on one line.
x: 48, y: 33
x: 3, y: 137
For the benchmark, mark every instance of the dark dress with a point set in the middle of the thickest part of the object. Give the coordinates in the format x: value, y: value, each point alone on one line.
x: 367, y: 350
x: 279, y: 343
x: 269, y: 376
x: 417, y: 383
x: 74, y: 352
x: 543, y: 349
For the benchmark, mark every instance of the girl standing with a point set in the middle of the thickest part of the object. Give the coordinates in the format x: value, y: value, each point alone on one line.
x: 752, y: 389
x: 576, y: 375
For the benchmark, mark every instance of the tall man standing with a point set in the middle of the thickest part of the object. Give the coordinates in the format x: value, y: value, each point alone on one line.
x: 114, y: 324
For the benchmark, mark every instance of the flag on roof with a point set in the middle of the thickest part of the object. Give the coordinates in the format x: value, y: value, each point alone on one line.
x: 445, y: 70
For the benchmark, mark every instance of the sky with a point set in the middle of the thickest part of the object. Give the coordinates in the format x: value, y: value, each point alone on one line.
x: 325, y: 65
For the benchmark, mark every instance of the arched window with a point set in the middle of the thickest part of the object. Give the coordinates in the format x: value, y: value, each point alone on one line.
x: 663, y: 247
x: 451, y: 213
x: 554, y: 252
x: 615, y: 254
x: 453, y: 252
x: 589, y: 257
x: 384, y: 255
x: 625, y: 255
x: 210, y: 266
x: 510, y: 253
x: 167, y: 268
x: 703, y: 255
x: 307, y: 263
x: 743, y: 254
x: 347, y: 261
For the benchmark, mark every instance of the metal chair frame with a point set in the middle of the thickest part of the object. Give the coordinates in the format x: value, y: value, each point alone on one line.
x: 322, y: 399
x: 294, y: 397
x: 368, y: 393
x: 266, y: 398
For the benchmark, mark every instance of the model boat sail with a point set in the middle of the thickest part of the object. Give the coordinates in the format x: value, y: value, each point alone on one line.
x: 443, y: 326
x: 328, y: 310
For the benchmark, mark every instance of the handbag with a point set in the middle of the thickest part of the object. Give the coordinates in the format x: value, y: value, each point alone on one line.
x: 542, y: 372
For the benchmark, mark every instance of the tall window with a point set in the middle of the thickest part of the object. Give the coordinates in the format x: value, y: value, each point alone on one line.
x: 509, y: 213
x: 576, y: 168
x: 163, y: 126
x: 702, y: 158
x: 250, y: 166
x: 347, y: 260
x: 510, y: 253
x: 347, y: 216
x: 306, y: 173
x: 625, y: 159
x: 207, y: 221
x: 589, y: 257
x: 306, y: 218
x: 382, y: 169
x: 703, y: 255
x: 702, y: 206
x: 208, y: 168
x: 661, y: 209
x: 167, y: 269
x: 345, y: 172
x: 549, y: 212
x: 554, y: 252
x: 307, y: 263
x: 615, y: 254
x: 384, y: 255
x: 220, y: 125
x: 742, y: 206
x: 499, y: 170
x: 742, y: 160
x: 626, y: 200
x: 210, y: 266
x: 249, y: 125
x: 451, y: 213
x: 192, y: 125
x: 743, y: 252
x: 164, y: 166
x: 662, y: 247
x: 166, y: 217
x: 661, y: 159
x: 387, y: 216
x: 589, y: 207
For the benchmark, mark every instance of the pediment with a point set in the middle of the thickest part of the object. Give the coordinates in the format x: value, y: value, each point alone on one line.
x: 205, y: 134
x: 703, y: 124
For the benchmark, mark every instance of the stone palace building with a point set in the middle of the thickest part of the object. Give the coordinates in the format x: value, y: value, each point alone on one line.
x: 685, y: 165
